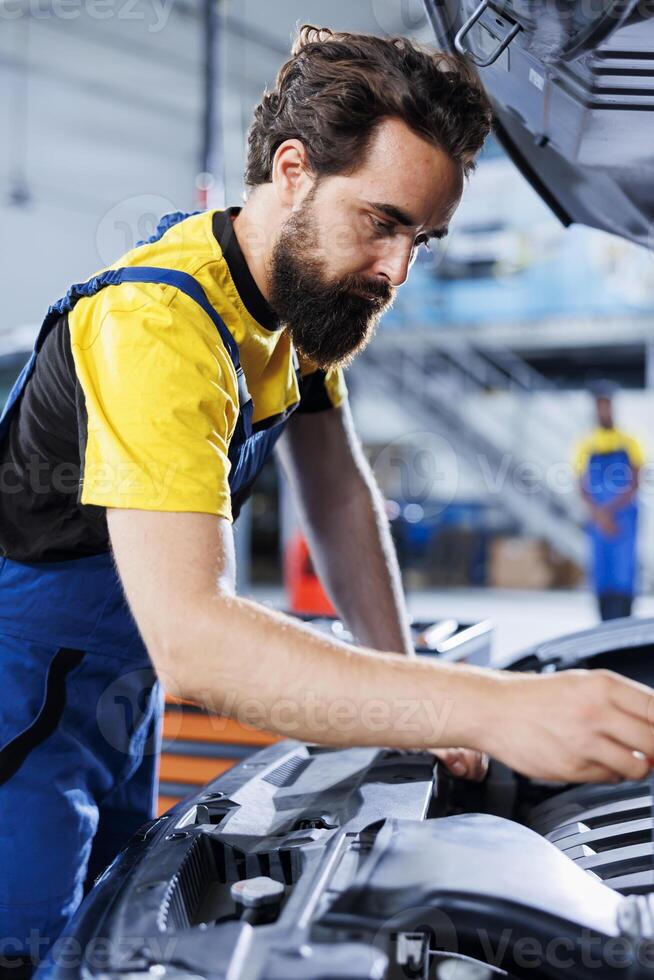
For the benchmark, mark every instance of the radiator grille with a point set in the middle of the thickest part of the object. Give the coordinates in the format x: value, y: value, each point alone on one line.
x: 188, y: 887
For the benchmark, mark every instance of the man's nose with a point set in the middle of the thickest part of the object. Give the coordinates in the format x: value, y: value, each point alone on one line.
x: 395, y: 261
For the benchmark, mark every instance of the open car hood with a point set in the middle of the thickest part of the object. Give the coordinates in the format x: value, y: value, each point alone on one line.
x: 572, y: 86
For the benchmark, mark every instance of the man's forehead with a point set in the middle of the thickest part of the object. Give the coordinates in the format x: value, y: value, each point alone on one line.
x: 425, y: 190
x: 397, y: 149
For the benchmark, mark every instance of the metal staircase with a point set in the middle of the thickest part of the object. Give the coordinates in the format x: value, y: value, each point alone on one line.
x: 462, y: 391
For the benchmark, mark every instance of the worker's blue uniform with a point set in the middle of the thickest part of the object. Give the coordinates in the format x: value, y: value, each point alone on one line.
x: 80, y: 705
x: 606, y: 462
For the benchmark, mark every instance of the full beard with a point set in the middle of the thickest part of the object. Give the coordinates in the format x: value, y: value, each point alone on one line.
x: 327, y: 321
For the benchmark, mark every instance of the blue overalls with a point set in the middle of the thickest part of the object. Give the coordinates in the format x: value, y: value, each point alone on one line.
x: 613, y: 564
x: 80, y: 706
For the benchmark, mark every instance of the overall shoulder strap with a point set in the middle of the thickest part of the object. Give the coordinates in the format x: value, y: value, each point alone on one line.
x: 166, y: 222
x: 112, y: 277
x: 165, y: 277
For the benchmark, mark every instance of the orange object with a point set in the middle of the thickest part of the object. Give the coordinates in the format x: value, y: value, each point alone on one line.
x: 192, y: 770
x: 165, y: 803
x: 303, y: 587
x: 198, y: 746
x: 201, y: 726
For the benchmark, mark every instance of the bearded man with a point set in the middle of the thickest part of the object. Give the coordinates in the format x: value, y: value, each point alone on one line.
x: 155, y: 393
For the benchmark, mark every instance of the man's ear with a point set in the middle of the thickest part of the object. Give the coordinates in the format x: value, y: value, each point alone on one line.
x: 291, y: 176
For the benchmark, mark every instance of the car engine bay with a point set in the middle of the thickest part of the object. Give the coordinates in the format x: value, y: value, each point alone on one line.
x: 310, y: 862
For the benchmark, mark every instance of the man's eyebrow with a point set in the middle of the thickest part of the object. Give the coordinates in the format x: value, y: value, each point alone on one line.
x: 402, y: 218
x: 396, y: 214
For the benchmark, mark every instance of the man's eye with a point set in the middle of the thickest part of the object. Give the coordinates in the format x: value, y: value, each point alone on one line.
x: 383, y: 226
x: 423, y: 240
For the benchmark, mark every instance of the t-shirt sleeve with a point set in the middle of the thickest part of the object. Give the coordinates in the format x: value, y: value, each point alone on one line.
x: 320, y: 390
x: 160, y: 403
x: 636, y: 453
x: 580, y: 457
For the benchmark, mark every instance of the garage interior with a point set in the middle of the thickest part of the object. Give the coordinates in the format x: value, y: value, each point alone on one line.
x: 470, y: 403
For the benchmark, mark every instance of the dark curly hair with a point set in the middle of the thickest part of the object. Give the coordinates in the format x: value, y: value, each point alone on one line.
x: 337, y: 87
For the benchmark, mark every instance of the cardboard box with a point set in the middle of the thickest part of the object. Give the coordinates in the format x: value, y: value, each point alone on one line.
x: 520, y: 563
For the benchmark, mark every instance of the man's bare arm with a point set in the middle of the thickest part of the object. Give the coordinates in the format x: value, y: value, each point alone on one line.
x: 230, y: 654
x: 345, y: 523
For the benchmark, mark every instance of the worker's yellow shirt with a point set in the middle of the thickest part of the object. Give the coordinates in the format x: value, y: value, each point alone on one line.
x: 605, y: 442
x: 136, y: 390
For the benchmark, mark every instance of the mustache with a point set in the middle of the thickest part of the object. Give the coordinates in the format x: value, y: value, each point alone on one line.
x: 377, y: 289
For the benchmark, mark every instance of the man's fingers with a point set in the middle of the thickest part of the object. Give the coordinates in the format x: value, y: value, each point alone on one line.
x: 634, y: 698
x: 464, y: 763
x: 595, y: 773
x: 479, y: 767
x: 620, y: 760
x: 629, y: 731
x: 450, y: 758
x: 576, y: 726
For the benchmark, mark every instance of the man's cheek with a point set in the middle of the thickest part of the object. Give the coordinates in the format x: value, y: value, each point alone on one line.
x: 343, y: 248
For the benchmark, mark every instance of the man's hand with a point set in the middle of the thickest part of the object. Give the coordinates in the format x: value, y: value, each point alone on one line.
x: 576, y: 726
x: 464, y: 763
x: 605, y: 520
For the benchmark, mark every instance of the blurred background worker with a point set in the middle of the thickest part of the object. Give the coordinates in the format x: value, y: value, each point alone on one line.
x: 608, y: 462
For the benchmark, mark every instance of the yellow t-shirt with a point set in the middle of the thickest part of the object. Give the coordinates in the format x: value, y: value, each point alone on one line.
x: 603, y: 442
x: 135, y: 394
